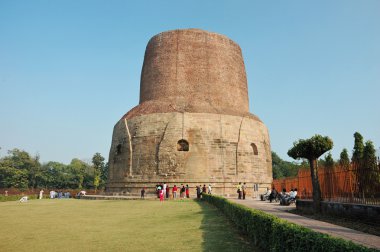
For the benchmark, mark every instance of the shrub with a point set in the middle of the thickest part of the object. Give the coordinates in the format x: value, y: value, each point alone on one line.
x: 271, y: 233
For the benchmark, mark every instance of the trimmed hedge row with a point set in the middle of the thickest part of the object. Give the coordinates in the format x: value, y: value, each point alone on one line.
x: 271, y: 233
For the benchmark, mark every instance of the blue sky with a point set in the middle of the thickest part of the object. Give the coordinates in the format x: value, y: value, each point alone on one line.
x: 70, y: 69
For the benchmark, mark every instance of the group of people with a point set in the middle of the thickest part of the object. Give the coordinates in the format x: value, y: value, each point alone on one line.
x: 241, y: 190
x: 163, y: 191
x: 285, y: 198
x: 59, y: 195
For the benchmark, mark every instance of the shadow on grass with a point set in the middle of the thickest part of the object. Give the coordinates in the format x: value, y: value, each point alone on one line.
x: 220, y: 234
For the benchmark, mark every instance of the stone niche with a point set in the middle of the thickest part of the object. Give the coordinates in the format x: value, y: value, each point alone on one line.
x: 192, y: 125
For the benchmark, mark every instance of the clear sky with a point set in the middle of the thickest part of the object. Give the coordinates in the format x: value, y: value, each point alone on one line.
x: 70, y: 69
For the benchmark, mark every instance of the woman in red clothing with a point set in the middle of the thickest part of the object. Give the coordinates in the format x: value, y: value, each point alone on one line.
x: 187, y: 191
x: 161, y: 192
x: 174, y: 191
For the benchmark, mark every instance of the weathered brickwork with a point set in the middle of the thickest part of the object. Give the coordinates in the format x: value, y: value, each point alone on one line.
x: 193, y: 94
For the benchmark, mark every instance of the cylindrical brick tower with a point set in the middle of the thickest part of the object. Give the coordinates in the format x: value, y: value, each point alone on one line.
x: 192, y: 125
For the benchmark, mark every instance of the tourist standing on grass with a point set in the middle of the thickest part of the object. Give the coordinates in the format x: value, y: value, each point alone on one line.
x: 204, y: 188
x: 182, y: 191
x: 187, y: 191
x: 244, y: 188
x: 164, y: 188
x: 209, y: 189
x: 239, y: 190
x: 198, y: 189
x: 161, y: 192
x: 41, y: 194
x: 174, y: 191
x: 143, y: 193
x: 159, y: 188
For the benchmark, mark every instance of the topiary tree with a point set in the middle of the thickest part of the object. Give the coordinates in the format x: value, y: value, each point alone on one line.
x: 357, y: 153
x: 312, y: 149
x: 344, y: 160
x: 369, y: 175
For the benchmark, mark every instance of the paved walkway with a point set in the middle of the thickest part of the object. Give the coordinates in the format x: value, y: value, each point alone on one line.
x: 367, y: 240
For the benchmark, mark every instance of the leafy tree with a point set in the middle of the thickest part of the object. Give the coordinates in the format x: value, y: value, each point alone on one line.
x: 12, y: 177
x: 368, y: 173
x: 282, y: 168
x: 104, y: 175
x: 19, y: 169
x: 329, y: 161
x: 344, y: 160
x: 98, y: 164
x: 78, y: 169
x: 357, y: 154
x: 312, y: 149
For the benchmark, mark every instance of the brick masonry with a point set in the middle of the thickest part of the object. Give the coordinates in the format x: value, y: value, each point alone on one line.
x: 193, y: 88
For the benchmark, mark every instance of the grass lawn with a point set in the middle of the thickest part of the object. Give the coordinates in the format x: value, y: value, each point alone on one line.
x: 124, y: 225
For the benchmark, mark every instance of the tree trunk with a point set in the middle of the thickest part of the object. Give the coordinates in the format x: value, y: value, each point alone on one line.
x: 316, y: 187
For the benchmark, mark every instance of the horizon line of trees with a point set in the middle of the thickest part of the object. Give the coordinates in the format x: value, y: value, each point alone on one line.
x: 20, y: 170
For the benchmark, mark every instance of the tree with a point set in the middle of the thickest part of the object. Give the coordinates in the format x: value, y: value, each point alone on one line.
x: 104, y: 175
x: 329, y: 175
x: 312, y: 149
x: 344, y: 160
x: 98, y: 164
x: 19, y: 169
x: 329, y: 161
x: 78, y: 170
x: 369, y: 174
x: 282, y: 168
x: 357, y: 154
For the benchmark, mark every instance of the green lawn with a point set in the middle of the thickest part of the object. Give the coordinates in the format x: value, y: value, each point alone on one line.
x: 125, y: 225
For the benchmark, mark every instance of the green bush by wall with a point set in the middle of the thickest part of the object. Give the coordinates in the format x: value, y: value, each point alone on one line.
x: 271, y: 233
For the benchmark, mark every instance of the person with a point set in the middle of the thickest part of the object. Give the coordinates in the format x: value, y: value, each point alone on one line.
x: 273, y: 195
x: 209, y: 189
x: 239, y: 190
x: 187, y: 191
x: 292, y: 196
x: 283, y: 196
x: 244, y: 188
x: 164, y: 188
x: 265, y: 196
x: 52, y: 194
x: 41, y: 194
x: 143, y: 193
x: 198, y: 189
x: 204, y: 188
x: 167, y: 191
x: 182, y: 191
x: 161, y: 192
x: 6, y: 193
x: 158, y: 189
x: 24, y: 199
x: 174, y: 190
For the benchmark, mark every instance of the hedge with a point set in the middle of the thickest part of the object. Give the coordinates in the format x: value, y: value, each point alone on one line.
x: 271, y: 233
